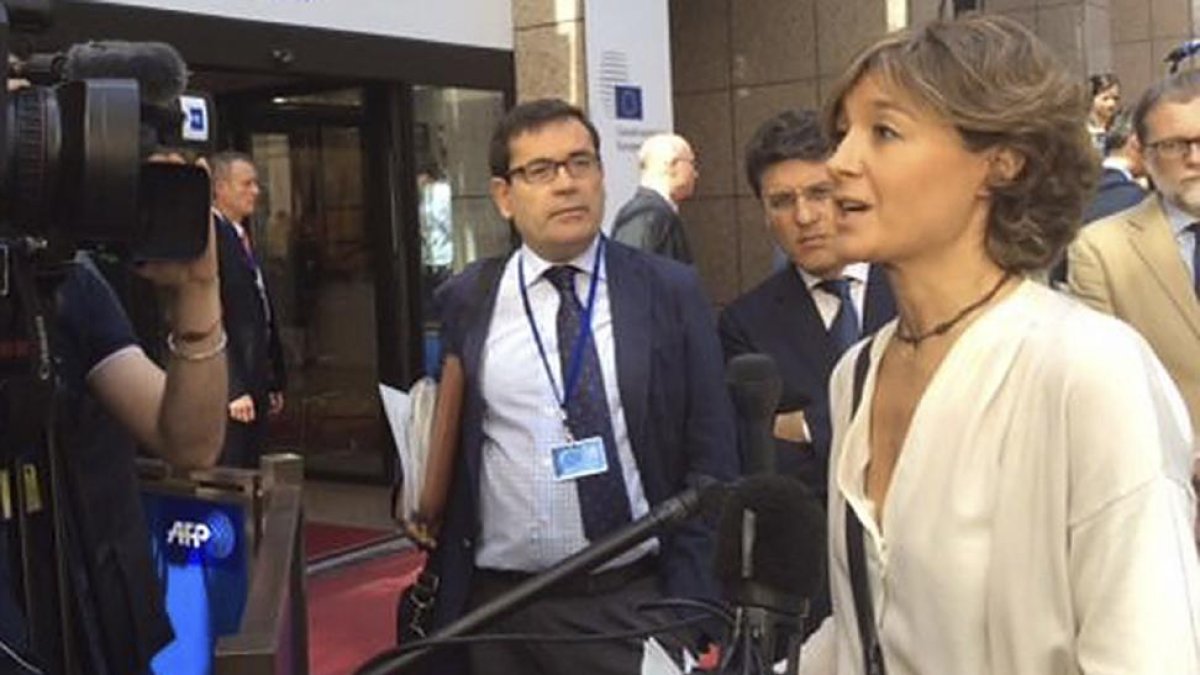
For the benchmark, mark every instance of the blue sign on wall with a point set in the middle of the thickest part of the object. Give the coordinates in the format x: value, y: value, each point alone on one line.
x: 629, y: 102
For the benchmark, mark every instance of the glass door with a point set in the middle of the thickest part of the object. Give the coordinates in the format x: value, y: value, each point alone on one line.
x: 313, y: 237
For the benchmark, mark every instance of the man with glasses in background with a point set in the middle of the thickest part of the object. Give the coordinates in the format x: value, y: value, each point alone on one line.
x: 594, y: 391
x: 650, y: 220
x: 806, y: 314
x: 1143, y: 264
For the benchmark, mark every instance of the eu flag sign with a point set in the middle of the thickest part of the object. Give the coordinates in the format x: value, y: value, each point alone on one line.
x: 629, y: 102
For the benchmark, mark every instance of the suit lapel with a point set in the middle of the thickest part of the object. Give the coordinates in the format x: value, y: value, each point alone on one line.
x: 801, y: 321
x: 630, y: 302
x: 1151, y: 238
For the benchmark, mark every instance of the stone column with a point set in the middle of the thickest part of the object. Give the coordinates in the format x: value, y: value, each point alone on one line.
x: 1144, y: 32
x: 548, y: 45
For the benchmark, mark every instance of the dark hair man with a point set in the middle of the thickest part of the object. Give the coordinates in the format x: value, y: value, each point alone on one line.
x: 594, y: 391
x: 806, y: 314
x: 256, y: 369
x: 1122, y: 168
x: 1143, y: 265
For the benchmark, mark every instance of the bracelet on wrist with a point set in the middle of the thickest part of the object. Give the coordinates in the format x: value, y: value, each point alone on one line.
x: 173, y: 347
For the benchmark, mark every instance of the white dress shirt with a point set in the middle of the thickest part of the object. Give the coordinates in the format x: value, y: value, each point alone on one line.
x: 529, y: 520
x: 1039, y: 518
x: 828, y: 303
x: 1184, y: 237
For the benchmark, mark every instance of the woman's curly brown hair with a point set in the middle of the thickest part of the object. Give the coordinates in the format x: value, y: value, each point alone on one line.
x: 1000, y: 86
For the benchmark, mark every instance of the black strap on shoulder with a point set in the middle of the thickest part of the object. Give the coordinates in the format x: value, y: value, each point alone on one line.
x: 863, y: 607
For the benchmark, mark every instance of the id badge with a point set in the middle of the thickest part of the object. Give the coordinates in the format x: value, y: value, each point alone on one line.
x: 577, y: 459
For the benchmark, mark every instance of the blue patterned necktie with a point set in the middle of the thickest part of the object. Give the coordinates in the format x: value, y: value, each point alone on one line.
x: 603, y: 499
x: 844, y: 331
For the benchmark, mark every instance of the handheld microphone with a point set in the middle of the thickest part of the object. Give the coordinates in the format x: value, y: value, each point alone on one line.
x: 754, y: 385
x: 770, y: 560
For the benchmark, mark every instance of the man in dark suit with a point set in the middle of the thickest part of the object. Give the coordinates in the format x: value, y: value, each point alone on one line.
x: 650, y: 220
x: 806, y: 314
x: 256, y: 371
x: 1122, y: 167
x: 594, y: 391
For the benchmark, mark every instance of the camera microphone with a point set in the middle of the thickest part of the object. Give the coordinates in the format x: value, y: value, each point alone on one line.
x: 160, y: 71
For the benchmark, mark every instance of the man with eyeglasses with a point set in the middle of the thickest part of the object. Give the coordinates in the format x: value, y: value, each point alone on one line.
x: 806, y: 314
x: 594, y: 391
x: 1143, y: 264
x: 650, y: 219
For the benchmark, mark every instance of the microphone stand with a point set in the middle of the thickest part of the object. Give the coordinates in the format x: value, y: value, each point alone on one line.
x: 666, y: 514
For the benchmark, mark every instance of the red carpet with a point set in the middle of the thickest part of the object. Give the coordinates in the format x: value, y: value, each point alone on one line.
x: 352, y: 611
x: 322, y: 540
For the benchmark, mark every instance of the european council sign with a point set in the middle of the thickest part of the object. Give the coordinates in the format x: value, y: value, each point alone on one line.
x: 629, y: 102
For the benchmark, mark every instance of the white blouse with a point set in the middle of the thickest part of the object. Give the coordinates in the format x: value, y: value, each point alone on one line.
x: 1039, y: 519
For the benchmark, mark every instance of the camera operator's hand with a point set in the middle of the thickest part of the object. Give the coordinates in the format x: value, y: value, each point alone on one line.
x: 179, y: 414
x: 242, y: 409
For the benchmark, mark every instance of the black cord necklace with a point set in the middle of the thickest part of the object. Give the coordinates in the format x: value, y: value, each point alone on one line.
x: 916, y: 340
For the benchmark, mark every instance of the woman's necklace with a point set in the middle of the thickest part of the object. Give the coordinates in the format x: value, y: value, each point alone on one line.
x: 916, y: 339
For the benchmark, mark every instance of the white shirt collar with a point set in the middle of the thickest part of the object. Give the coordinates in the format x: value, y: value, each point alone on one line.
x: 1179, y: 219
x: 535, y: 265
x: 1118, y: 164
x: 855, y: 272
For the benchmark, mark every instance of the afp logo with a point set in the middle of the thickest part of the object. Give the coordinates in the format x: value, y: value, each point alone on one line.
x: 214, y: 536
x: 189, y: 535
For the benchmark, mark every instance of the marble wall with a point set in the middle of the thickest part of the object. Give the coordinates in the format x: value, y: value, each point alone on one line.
x: 1143, y: 33
x: 548, y: 44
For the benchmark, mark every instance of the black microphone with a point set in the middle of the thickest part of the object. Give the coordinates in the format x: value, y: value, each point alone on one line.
x: 770, y: 560
x: 1183, y: 51
x: 666, y: 514
x: 754, y: 385
x: 158, y: 68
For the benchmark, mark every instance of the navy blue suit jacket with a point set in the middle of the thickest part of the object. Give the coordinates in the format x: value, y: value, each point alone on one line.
x: 1116, y: 192
x: 779, y: 318
x: 670, y: 376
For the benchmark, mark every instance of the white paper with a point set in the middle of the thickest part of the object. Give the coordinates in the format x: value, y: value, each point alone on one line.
x: 397, y: 406
x: 656, y: 661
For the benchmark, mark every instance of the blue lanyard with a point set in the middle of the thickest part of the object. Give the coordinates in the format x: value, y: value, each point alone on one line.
x: 585, y: 331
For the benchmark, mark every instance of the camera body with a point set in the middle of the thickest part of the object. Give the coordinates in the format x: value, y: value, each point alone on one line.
x: 76, y: 135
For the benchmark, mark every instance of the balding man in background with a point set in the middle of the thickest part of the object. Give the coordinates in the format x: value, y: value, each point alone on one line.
x: 650, y: 220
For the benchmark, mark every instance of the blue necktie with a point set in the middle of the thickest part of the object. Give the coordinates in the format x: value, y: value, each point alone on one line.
x: 844, y: 331
x: 603, y: 499
x: 1195, y: 228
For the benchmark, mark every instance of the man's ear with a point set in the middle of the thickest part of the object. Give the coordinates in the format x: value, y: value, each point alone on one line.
x: 501, y: 196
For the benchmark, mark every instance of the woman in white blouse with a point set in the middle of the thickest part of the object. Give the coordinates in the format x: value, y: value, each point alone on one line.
x: 1019, y: 464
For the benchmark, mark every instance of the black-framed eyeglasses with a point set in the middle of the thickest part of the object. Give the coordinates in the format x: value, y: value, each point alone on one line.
x: 541, y: 171
x: 1174, y: 148
x: 787, y: 200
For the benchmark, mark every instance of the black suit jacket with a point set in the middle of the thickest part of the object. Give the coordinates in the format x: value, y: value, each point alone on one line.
x: 254, y: 352
x: 677, y: 410
x: 649, y: 222
x: 779, y: 318
x: 1116, y: 192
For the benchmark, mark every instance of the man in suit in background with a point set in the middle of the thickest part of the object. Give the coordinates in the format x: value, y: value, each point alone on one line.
x: 1142, y: 265
x: 256, y: 371
x: 806, y: 314
x: 1122, y: 168
x: 650, y: 220
x: 593, y: 392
